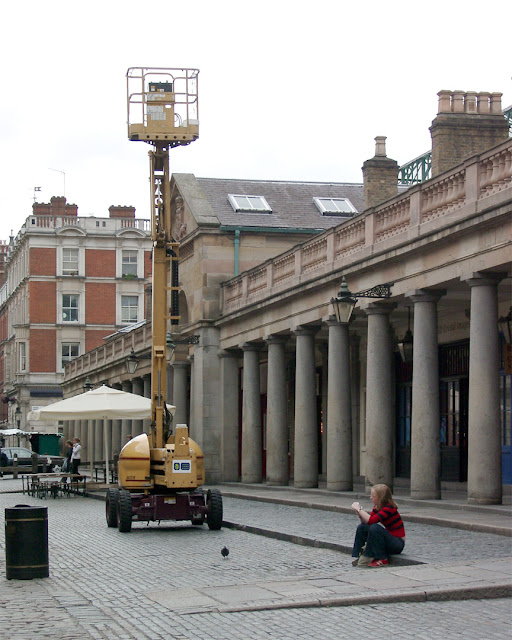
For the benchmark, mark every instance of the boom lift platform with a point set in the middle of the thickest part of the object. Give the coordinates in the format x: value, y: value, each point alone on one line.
x: 160, y: 474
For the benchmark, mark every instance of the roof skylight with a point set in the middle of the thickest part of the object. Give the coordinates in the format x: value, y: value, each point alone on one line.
x: 335, y: 207
x: 257, y: 204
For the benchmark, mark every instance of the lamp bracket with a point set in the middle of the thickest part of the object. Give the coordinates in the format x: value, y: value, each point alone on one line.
x: 188, y: 340
x: 379, y: 291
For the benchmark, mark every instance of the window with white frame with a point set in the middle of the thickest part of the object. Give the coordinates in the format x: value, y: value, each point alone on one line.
x: 256, y: 204
x: 70, y: 307
x: 22, y: 356
x: 69, y: 351
x: 129, y: 262
x: 335, y: 207
x: 69, y: 262
x: 129, y: 309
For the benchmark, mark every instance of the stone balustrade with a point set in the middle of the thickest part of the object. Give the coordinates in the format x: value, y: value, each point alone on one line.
x: 110, y: 354
x: 438, y: 201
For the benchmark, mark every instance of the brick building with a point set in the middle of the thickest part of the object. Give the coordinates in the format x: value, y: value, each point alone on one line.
x: 68, y: 282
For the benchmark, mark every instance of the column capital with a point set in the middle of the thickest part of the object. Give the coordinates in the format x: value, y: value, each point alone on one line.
x: 250, y: 346
x: 382, y: 308
x: 425, y: 295
x: 331, y: 321
x: 482, y: 278
x: 276, y: 339
x: 305, y: 330
x: 227, y: 353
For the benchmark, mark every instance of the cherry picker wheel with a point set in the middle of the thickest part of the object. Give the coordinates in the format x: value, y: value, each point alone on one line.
x: 214, y: 515
x: 124, y: 511
x: 111, y: 507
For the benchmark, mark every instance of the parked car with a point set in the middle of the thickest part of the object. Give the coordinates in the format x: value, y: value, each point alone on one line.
x: 24, y: 456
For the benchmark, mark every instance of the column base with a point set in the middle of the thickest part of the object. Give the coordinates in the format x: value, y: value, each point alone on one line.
x: 306, y: 484
x: 473, y: 500
x: 425, y: 495
x: 252, y: 479
x: 340, y: 486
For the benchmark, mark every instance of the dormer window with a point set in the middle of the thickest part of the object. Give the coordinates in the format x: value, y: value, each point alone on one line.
x: 256, y: 204
x: 335, y: 207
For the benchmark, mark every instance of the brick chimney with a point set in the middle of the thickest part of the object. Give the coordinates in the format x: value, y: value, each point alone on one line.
x: 58, y: 207
x: 467, y: 123
x: 380, y: 176
x: 116, y: 211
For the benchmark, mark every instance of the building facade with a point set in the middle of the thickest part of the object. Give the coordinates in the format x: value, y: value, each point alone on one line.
x: 277, y: 391
x: 69, y: 282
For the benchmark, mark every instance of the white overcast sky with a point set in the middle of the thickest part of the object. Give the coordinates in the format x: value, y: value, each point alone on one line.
x: 288, y: 89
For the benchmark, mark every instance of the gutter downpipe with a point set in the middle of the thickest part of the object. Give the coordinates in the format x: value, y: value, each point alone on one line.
x: 237, y: 251
x: 285, y: 230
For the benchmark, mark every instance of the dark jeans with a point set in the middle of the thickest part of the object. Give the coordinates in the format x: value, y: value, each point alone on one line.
x: 74, y: 467
x: 379, y: 542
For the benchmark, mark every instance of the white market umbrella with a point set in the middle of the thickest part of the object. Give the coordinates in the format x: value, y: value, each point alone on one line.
x: 103, y: 403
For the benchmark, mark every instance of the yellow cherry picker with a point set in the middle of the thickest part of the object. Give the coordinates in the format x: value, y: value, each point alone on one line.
x: 160, y: 474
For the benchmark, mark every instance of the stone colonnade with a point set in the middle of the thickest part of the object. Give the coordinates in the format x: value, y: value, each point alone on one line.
x: 484, y: 454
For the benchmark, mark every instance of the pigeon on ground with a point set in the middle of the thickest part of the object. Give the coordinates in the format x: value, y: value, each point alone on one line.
x: 225, y: 552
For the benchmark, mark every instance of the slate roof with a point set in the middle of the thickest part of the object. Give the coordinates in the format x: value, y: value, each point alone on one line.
x: 291, y: 202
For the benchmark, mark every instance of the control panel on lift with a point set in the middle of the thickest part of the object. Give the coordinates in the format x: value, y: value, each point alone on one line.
x: 162, y: 105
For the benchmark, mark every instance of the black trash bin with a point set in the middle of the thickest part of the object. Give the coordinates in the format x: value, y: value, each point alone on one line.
x: 26, y: 542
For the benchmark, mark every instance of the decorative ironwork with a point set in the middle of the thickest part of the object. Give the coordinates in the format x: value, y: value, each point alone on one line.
x: 508, y: 115
x: 379, y: 291
x: 417, y: 170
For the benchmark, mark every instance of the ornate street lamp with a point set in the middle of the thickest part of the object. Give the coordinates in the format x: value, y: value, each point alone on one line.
x: 345, y: 301
x: 405, y: 347
x: 132, y: 361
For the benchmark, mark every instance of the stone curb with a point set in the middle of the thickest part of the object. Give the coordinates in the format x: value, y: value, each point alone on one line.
x: 438, y: 522
x: 309, y: 542
x: 486, y: 592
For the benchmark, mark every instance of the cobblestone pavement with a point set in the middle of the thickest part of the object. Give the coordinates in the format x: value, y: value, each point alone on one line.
x: 425, y: 543
x: 149, y: 584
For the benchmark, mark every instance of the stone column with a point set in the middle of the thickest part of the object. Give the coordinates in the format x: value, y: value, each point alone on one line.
x: 192, y: 396
x: 229, y: 415
x: 206, y: 428
x: 98, y: 440
x: 339, y: 410
x: 126, y: 425
x: 108, y: 444
x: 306, y: 427
x: 180, y: 387
x: 324, y: 350
x: 355, y: 388
x: 137, y: 389
x: 425, y: 436
x: 379, y: 397
x: 146, y: 380
x: 116, y: 438
x: 484, y: 431
x: 277, y: 418
x: 252, y: 445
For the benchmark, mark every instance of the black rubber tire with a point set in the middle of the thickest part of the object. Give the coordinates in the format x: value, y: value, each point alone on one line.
x: 124, y: 511
x: 111, y: 507
x: 214, y: 516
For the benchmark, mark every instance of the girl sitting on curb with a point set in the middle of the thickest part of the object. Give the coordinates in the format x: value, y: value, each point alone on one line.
x: 381, y: 532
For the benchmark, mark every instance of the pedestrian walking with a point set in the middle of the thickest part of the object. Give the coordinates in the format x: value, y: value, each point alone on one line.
x: 381, y: 533
x: 76, y: 454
